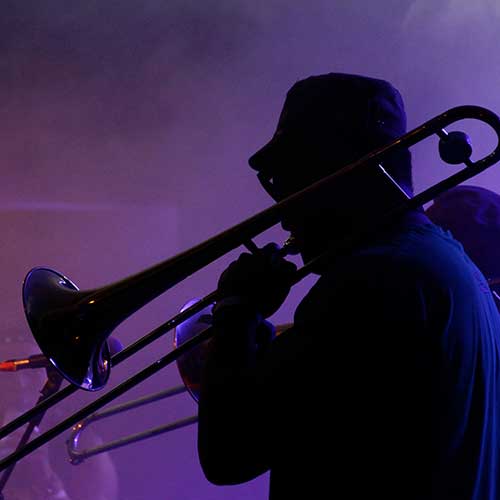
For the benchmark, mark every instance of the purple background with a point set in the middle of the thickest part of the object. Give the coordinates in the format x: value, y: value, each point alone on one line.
x: 126, y: 127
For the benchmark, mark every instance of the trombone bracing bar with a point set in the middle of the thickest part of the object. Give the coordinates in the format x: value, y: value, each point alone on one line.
x: 46, y: 290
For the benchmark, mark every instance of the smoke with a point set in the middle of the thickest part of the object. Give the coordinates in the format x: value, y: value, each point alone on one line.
x: 450, y: 45
x: 457, y: 19
x: 141, y: 94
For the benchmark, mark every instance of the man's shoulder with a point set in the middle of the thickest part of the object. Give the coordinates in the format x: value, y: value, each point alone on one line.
x: 395, y: 269
x: 407, y: 250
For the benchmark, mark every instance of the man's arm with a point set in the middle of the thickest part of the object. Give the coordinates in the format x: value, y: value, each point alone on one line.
x: 233, y: 427
x: 232, y: 417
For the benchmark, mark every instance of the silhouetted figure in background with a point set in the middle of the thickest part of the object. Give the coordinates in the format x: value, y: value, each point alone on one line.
x: 472, y: 214
x: 46, y: 474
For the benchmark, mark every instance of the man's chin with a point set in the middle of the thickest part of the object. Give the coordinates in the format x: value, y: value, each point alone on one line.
x: 311, y: 256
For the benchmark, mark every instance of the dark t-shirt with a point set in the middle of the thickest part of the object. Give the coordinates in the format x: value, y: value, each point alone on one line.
x: 386, y: 387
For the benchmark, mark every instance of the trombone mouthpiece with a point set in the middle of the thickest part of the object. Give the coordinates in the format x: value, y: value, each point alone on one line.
x: 290, y: 247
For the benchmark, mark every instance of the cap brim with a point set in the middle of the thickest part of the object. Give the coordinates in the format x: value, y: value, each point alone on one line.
x: 265, y: 155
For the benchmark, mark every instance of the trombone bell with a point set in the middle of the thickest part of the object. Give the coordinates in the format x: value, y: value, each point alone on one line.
x: 72, y: 339
x: 190, y: 365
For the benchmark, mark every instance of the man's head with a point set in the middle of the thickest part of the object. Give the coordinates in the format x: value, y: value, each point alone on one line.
x: 327, y: 122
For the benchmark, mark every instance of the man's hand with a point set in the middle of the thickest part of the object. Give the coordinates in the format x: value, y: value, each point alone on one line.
x: 262, y: 281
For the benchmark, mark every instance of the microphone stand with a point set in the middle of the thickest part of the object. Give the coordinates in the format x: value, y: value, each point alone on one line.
x: 51, y: 386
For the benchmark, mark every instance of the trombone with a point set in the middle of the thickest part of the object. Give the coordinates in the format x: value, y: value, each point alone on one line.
x: 61, y: 316
x: 190, y: 368
x: 77, y: 456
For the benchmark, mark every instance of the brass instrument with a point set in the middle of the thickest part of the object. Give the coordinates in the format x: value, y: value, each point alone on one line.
x: 77, y: 456
x: 71, y: 326
x: 190, y: 367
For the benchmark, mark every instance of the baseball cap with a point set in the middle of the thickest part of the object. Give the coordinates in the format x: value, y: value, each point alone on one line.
x: 337, y: 115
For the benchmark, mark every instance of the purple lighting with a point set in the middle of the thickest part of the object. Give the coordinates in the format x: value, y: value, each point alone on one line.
x: 126, y: 133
